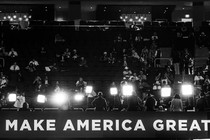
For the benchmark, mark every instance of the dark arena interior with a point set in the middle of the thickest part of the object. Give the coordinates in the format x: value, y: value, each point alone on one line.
x: 87, y: 69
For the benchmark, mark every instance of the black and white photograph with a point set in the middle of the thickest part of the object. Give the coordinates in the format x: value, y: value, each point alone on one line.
x: 105, y: 69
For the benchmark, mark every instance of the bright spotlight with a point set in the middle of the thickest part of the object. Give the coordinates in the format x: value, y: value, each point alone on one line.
x: 78, y: 97
x: 5, y: 17
x: 187, y: 16
x: 14, y: 16
x: 9, y: 17
x: 88, y: 89
x: 113, y: 91
x: 127, y: 90
x: 41, y: 98
x: 187, y: 89
x: 25, y: 16
x: 165, y: 92
x: 20, y: 19
x: 12, y: 97
x: 60, y: 98
x: 26, y: 19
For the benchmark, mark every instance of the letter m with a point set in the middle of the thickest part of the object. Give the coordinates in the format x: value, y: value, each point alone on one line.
x: 11, y: 125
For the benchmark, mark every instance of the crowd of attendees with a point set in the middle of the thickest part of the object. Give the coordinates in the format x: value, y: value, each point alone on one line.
x: 136, y: 55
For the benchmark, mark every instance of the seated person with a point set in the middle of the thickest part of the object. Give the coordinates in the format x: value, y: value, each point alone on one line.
x: 14, y: 67
x: 81, y: 84
x: 32, y: 66
x: 12, y: 53
x: 83, y: 62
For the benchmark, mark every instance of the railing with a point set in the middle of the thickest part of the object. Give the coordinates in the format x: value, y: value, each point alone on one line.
x: 164, y: 59
x: 200, y: 61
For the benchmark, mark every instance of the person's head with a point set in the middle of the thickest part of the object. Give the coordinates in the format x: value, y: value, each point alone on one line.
x: 82, y: 58
x: 105, y: 53
x: 202, y: 95
x: 15, y: 63
x: 141, y: 72
x: 100, y: 94
x: 177, y: 96
x: 12, y: 49
x: 25, y: 105
x: 80, y: 79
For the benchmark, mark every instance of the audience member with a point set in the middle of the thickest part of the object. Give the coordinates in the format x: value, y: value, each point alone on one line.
x: 176, y: 104
x: 100, y: 103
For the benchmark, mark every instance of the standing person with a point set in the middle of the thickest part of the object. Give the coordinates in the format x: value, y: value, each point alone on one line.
x: 201, y: 103
x: 150, y: 103
x: 134, y: 103
x: 20, y: 100
x: 100, y: 103
x: 81, y: 84
x: 176, y: 104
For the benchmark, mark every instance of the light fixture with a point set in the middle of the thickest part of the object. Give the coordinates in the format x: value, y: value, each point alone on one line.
x: 187, y: 16
x: 88, y: 89
x: 60, y: 98
x: 165, y: 92
x: 41, y: 98
x: 127, y: 90
x: 187, y: 89
x: 12, y: 97
x: 113, y: 91
x: 78, y: 97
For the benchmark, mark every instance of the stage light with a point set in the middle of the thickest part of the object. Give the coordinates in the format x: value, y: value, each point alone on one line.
x: 142, y: 17
x: 165, y: 92
x: 20, y: 19
x: 5, y: 17
x: 78, y: 97
x: 9, y: 17
x: 145, y: 18
x: 187, y: 16
x: 126, y: 17
x: 60, y: 98
x: 121, y: 17
x: 113, y: 91
x: 14, y: 16
x: 25, y: 16
x: 187, y: 89
x: 29, y: 16
x: 88, y: 89
x: 127, y: 90
x: 26, y: 19
x: 136, y: 17
x: 12, y: 97
x: 130, y: 19
x: 41, y: 98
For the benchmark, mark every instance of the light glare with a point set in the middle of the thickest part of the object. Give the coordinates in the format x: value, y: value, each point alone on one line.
x: 12, y: 97
x: 113, y: 91
x: 127, y: 90
x: 41, y: 98
x: 187, y: 90
x: 165, y: 92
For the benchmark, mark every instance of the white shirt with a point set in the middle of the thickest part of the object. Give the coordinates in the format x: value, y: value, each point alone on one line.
x: 13, y: 53
x: 14, y: 68
x: 35, y: 63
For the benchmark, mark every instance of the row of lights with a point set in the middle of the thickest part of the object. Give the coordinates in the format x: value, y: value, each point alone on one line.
x: 60, y: 98
x: 17, y: 18
x: 133, y: 18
